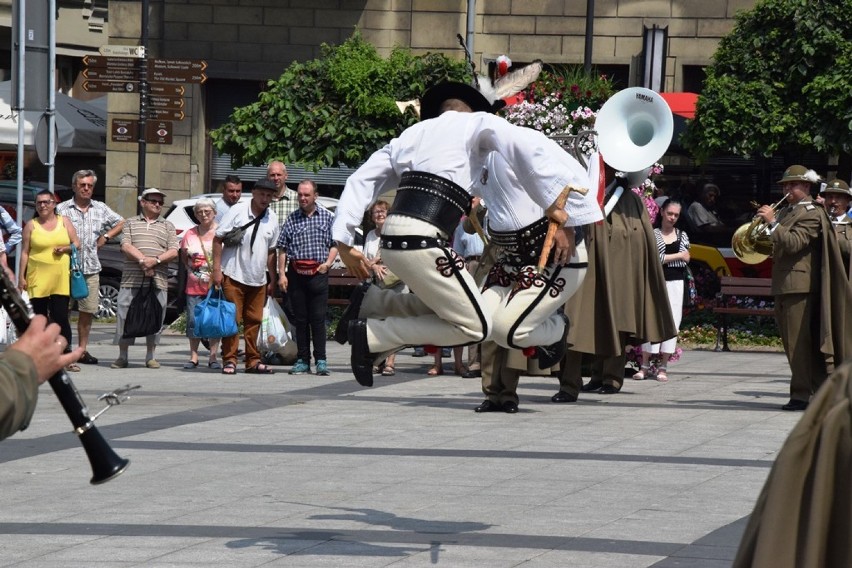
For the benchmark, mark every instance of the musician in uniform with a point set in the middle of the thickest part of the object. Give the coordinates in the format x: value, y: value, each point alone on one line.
x: 810, y: 286
x: 433, y: 165
x: 26, y: 364
x: 836, y: 198
x: 621, y: 300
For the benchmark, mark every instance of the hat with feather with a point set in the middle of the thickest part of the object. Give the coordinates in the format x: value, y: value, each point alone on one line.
x: 485, y: 94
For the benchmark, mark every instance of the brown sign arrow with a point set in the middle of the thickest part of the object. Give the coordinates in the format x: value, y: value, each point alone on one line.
x: 157, y: 101
x: 111, y: 74
x: 166, y: 114
x: 111, y: 62
x: 166, y: 89
x: 110, y: 86
x: 177, y: 70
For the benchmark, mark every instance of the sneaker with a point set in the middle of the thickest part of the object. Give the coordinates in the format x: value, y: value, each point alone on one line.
x: 301, y: 368
x: 119, y: 364
x: 419, y: 352
x: 322, y: 368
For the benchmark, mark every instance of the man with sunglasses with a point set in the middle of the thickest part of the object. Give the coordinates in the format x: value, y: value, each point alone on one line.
x: 149, y: 242
x: 96, y: 225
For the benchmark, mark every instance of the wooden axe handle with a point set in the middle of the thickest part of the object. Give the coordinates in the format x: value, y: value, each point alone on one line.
x: 554, y: 226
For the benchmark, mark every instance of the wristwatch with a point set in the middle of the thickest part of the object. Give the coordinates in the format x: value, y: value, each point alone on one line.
x: 157, y: 258
x: 106, y: 238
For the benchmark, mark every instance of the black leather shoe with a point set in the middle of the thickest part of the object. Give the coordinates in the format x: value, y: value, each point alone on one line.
x: 563, y: 396
x: 488, y: 406
x: 592, y: 386
x: 472, y: 374
x: 361, y: 359
x: 341, y: 334
x: 795, y: 405
x: 510, y: 407
x: 87, y: 359
x: 551, y: 354
x: 609, y: 389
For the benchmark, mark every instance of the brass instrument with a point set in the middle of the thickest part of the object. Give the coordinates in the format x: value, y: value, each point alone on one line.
x: 751, y: 241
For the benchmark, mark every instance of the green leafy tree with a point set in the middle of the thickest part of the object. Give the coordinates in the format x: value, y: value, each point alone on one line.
x: 780, y: 83
x: 333, y: 110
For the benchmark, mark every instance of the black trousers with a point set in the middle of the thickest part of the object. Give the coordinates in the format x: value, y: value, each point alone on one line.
x: 55, y: 309
x: 308, y: 297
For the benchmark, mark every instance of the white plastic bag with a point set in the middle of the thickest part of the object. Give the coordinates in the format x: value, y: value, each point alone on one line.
x: 4, y: 327
x: 274, y: 336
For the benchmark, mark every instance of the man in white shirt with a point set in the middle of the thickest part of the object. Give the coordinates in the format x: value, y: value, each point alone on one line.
x: 242, y: 269
x: 433, y: 164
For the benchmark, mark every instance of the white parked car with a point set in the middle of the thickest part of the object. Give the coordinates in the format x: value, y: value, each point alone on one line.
x: 181, y: 214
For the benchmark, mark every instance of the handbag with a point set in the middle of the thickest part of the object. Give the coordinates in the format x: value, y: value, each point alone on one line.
x: 215, y: 316
x: 79, y: 288
x: 145, y: 314
x: 690, y: 294
x: 234, y: 237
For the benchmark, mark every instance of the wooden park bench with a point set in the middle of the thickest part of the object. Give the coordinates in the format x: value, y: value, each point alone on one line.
x: 339, y: 277
x: 737, y: 286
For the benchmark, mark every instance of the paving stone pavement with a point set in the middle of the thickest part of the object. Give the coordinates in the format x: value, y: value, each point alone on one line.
x: 309, y: 471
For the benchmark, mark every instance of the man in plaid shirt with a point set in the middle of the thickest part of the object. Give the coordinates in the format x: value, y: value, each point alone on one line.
x: 96, y: 224
x: 306, y: 241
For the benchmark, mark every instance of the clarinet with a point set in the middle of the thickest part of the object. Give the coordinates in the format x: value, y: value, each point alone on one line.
x: 106, y: 464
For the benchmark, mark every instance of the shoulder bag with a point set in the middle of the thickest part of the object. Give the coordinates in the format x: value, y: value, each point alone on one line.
x: 145, y: 314
x: 79, y: 288
x: 690, y: 293
x: 234, y: 237
x: 215, y: 316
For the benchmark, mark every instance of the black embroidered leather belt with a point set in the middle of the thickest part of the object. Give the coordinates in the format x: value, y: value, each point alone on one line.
x: 524, y: 246
x: 431, y: 198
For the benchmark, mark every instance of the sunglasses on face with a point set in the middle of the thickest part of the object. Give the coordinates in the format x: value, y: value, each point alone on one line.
x: 155, y: 201
x: 43, y: 203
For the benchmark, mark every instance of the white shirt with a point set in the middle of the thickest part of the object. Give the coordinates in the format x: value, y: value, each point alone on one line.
x: 244, y: 263
x: 454, y: 146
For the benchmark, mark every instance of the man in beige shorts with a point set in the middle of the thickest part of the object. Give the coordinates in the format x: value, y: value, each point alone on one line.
x: 96, y: 224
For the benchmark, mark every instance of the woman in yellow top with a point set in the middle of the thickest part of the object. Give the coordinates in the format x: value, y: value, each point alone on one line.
x: 46, y: 263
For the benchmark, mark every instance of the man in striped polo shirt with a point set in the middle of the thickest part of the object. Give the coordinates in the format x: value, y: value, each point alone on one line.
x: 149, y: 242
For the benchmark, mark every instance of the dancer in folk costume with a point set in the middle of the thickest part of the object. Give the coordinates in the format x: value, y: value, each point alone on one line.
x: 434, y: 165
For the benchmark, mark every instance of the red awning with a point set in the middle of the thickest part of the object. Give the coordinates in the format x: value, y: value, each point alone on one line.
x: 682, y: 104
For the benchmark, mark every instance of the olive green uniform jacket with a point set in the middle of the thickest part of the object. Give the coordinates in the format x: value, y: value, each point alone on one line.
x: 803, y: 516
x: 18, y: 392
x: 806, y: 259
x: 624, y: 290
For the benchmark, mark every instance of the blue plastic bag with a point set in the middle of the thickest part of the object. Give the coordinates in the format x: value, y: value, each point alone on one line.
x: 215, y: 316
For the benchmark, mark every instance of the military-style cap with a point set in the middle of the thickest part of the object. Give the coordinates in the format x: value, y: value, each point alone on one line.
x: 837, y: 186
x: 799, y: 173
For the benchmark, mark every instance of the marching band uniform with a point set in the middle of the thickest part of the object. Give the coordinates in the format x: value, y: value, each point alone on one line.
x: 622, y: 298
x: 433, y: 165
x: 838, y: 191
x: 811, y: 290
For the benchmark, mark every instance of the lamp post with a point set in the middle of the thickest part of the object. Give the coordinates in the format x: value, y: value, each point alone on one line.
x: 590, y: 34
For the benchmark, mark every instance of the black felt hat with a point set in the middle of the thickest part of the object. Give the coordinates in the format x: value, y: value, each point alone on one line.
x: 430, y: 103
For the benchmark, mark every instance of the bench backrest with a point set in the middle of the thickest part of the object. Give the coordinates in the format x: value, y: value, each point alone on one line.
x: 737, y: 285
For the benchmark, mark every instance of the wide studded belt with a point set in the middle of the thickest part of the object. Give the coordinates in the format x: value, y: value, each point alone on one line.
x: 411, y: 242
x: 431, y: 198
x: 524, y: 246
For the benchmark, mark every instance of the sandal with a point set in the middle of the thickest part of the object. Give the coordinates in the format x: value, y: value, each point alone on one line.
x: 259, y: 369
x: 73, y: 368
x: 661, y: 375
x: 435, y: 370
x: 230, y: 368
x: 388, y: 371
x: 214, y: 365
x: 190, y: 364
x: 640, y: 376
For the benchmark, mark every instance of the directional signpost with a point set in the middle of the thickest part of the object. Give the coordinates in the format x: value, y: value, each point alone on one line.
x: 125, y: 69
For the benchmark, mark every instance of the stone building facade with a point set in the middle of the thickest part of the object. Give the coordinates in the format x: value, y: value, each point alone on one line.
x: 247, y: 42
